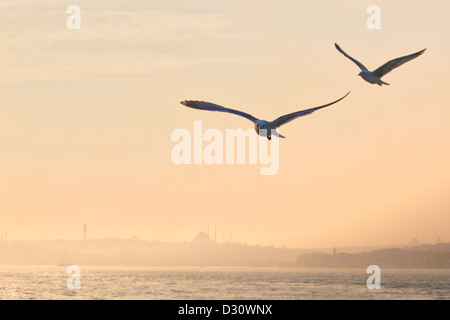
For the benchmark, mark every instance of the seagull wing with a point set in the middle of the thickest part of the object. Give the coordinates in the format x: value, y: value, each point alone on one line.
x: 391, y: 65
x: 203, y: 105
x: 291, y: 116
x: 360, y: 65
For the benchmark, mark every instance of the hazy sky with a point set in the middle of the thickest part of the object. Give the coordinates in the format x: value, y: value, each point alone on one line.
x: 86, y: 118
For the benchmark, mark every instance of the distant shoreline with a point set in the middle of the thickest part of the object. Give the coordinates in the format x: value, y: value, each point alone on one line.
x: 203, y: 251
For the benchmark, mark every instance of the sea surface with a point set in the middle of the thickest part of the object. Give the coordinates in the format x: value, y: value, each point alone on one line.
x: 217, y: 283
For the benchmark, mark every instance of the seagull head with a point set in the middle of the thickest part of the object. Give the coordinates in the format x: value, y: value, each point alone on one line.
x: 260, y: 125
x: 362, y: 74
x: 263, y: 128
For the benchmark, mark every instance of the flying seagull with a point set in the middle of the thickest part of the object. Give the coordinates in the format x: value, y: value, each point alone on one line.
x: 375, y: 76
x: 263, y: 125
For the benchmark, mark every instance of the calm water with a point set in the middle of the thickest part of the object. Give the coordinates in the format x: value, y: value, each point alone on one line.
x: 195, y: 283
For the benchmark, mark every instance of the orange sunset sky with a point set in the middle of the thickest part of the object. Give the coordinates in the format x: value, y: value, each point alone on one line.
x: 86, y: 118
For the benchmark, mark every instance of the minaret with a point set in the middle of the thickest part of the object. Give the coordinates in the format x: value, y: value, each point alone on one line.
x: 215, y: 233
x: 85, y: 231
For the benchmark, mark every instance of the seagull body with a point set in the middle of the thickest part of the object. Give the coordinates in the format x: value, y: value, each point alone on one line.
x: 262, y: 127
x: 375, y: 76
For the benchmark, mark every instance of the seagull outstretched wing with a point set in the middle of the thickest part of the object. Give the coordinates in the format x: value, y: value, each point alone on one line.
x: 291, y: 116
x: 360, y: 65
x: 394, y: 63
x: 203, y: 105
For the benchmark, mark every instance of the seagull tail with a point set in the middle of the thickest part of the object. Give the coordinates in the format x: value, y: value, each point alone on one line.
x: 276, y: 134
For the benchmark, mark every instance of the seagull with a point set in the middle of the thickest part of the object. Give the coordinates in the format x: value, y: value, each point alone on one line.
x: 262, y: 127
x: 375, y: 76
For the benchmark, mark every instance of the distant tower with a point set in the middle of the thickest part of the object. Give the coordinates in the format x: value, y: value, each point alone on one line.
x: 215, y: 233
x: 85, y: 231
